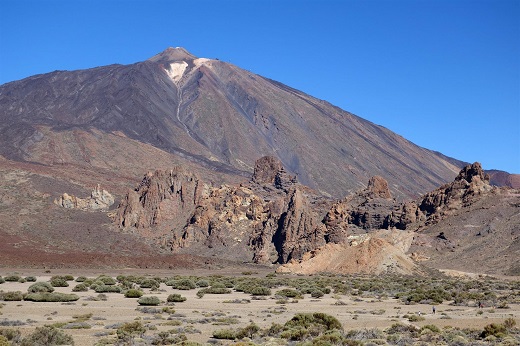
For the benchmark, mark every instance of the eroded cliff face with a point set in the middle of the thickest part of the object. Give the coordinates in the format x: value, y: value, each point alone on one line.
x: 268, y: 219
x: 164, y: 200
x: 274, y: 219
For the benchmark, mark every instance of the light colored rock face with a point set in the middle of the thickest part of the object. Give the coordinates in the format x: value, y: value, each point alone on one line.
x: 99, y: 200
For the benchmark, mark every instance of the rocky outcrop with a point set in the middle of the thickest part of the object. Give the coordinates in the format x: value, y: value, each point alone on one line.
x: 469, y: 184
x: 268, y: 220
x: 99, y: 200
x: 366, y: 209
x: 162, y: 201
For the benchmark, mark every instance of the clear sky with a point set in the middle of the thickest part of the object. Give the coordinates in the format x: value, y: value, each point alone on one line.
x: 444, y: 74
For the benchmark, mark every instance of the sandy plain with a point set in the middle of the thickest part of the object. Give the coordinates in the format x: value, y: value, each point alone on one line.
x: 200, y: 317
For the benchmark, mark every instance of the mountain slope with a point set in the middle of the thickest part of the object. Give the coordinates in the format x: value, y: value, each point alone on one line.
x: 214, y: 115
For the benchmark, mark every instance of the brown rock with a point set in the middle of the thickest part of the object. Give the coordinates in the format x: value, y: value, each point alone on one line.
x: 378, y: 188
x: 163, y: 198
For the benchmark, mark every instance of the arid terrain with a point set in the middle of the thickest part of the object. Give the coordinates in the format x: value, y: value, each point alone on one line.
x: 369, y: 309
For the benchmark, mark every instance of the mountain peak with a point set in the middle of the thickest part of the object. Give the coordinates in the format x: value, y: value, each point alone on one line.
x: 173, y: 54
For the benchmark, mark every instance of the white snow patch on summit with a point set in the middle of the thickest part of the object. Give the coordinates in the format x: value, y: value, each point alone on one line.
x: 176, y: 70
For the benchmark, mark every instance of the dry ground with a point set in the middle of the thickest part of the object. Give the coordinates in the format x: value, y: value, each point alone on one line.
x: 200, y: 315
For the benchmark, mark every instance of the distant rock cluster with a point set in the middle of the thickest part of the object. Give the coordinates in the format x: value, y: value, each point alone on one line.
x: 99, y: 200
x: 274, y: 219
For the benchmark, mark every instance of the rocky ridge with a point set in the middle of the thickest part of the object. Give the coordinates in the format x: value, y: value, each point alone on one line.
x: 272, y: 218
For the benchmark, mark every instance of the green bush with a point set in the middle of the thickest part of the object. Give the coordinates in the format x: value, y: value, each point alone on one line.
x: 133, y: 293
x: 149, y: 283
x: 130, y: 330
x: 317, y: 294
x: 494, y: 329
x: 81, y: 279
x: 289, y: 293
x: 59, y: 281
x: 106, y: 280
x: 40, y: 287
x: 68, y: 277
x: 260, y: 291
x: 227, y: 334
x: 12, y: 278
x: 82, y: 287
x: 12, y: 335
x: 11, y: 296
x: 175, y: 298
x: 47, y: 335
x: 248, y: 331
x: 182, y: 284
x: 149, y: 301
x: 2, y: 280
x: 316, y: 319
x: 202, y: 283
x: 30, y: 279
x: 107, y: 289
x: 51, y: 297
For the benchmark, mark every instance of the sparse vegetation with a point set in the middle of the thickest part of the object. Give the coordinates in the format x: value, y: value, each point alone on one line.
x: 306, y: 328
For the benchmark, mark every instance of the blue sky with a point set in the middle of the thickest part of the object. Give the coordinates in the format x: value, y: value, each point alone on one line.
x: 443, y: 74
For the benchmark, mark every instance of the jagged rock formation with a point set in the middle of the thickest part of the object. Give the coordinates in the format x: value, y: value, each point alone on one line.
x: 162, y: 201
x: 469, y: 184
x: 366, y: 209
x: 271, y: 218
x: 99, y: 200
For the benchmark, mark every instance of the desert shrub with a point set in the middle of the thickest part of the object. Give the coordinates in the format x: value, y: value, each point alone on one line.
x: 30, y: 279
x: 130, y: 330
x: 2, y: 280
x: 149, y: 301
x: 182, y: 284
x: 431, y: 327
x: 47, y: 335
x: 149, y: 283
x: 107, y: 289
x: 248, y: 331
x: 175, y: 298
x: 81, y: 279
x: 40, y: 287
x: 213, y: 290
x: 289, y: 293
x: 133, y: 293
x: 202, y: 283
x: 400, y: 328
x: 106, y: 280
x: 510, y: 323
x: 317, y: 294
x: 260, y: 291
x: 307, y: 324
x: 274, y: 330
x: 59, y: 281
x: 82, y: 287
x: 227, y: 334
x: 68, y: 277
x: 51, y: 297
x: 77, y: 325
x: 415, y: 318
x: 12, y: 278
x: 12, y: 335
x: 494, y: 329
x: 11, y: 296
